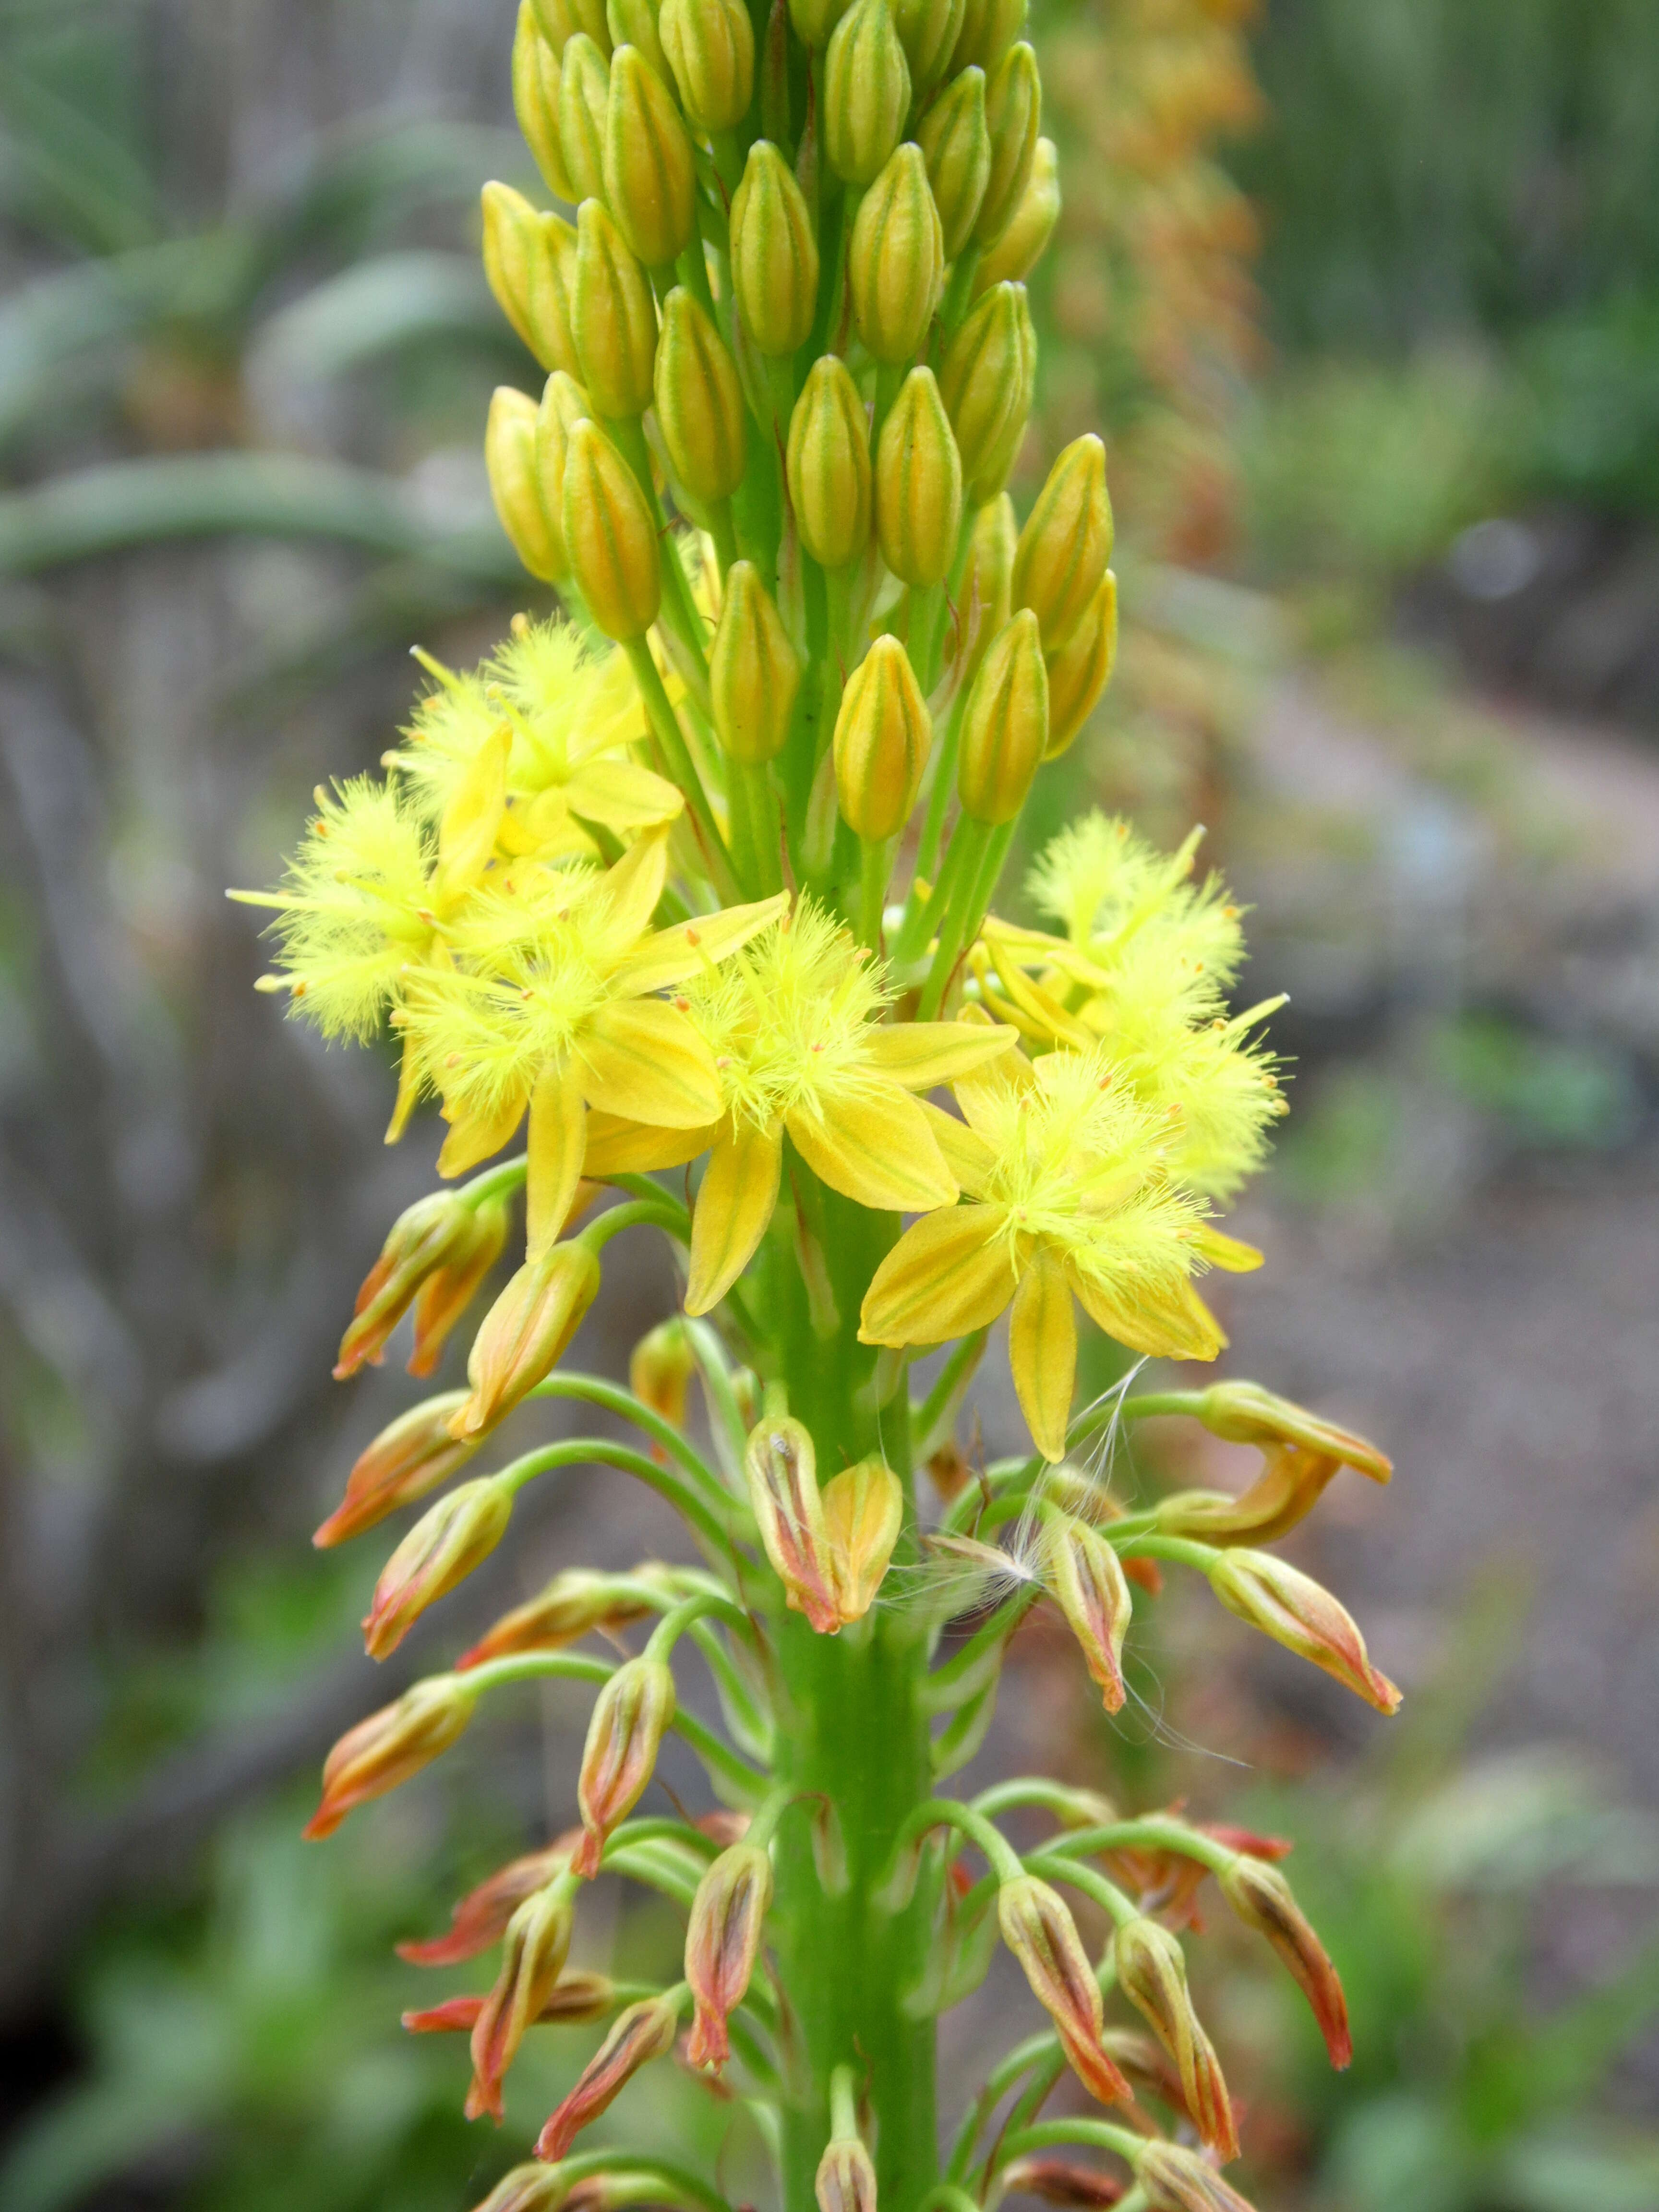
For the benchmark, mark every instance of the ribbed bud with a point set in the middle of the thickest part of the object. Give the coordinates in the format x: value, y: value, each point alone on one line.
x: 1005, y: 726
x: 754, y: 672
x: 1087, y: 1579
x: 710, y: 45
x: 660, y: 1368
x: 990, y: 28
x: 536, y: 75
x: 533, y: 1953
x: 867, y: 92
x: 427, y: 1235
x: 722, y: 1942
x: 918, y: 484
x: 644, y: 2031
x: 1038, y: 1928
x: 700, y: 410
x: 574, y: 2000
x: 896, y: 264
x: 1079, y: 673
x: 448, y: 1290
x: 650, y: 180
x: 443, y: 1548
x: 928, y: 30
x: 610, y: 536
x: 583, y: 100
x: 956, y: 140
x: 845, y: 2179
x: 882, y: 734
x: 1174, y: 2179
x: 774, y: 253
x: 574, y: 1604
x: 561, y: 19
x: 410, y: 1457
x: 614, y: 317
x: 1263, y: 1900
x: 515, y: 487
x: 630, y: 1716
x: 1067, y: 541
x: 782, y: 1467
x: 530, y: 260
x: 480, y: 1920
x: 524, y: 1333
x: 1245, y: 1413
x: 986, y: 584
x: 1152, y: 1972
x: 981, y: 374
x: 564, y: 403
x: 1013, y: 116
x: 863, y: 1512
x: 1029, y: 228
x: 389, y: 1747
x: 1300, y: 1613
x: 634, y: 23
x: 993, y: 471
x: 828, y: 465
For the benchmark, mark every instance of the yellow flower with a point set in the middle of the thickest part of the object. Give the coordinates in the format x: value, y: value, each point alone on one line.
x: 1067, y: 1171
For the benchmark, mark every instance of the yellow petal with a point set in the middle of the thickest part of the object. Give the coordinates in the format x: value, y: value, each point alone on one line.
x: 1042, y: 1351
x: 631, y: 890
x: 557, y: 1140
x: 475, y: 1137
x: 618, y: 1147
x: 614, y: 715
x: 641, y: 1058
x: 1230, y: 1254
x: 951, y: 1273
x: 967, y: 1155
x: 1171, y: 1324
x: 739, y: 1191
x: 621, y: 796
x: 466, y: 835
x: 669, y: 955
x: 409, y: 1090
x: 920, y: 1054
x: 875, y: 1146
x: 547, y: 829
x: 973, y: 1090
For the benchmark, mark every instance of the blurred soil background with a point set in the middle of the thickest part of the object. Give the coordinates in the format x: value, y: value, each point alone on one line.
x: 1368, y: 300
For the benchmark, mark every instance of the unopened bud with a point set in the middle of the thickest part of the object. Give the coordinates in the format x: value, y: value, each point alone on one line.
x: 863, y: 1513
x: 576, y: 1603
x: 610, y: 536
x: 533, y: 1953
x: 986, y: 583
x: 754, y: 672
x: 1080, y: 671
x: 1005, y: 726
x: 1061, y: 561
x: 389, y: 1747
x: 998, y: 464
x: 410, y: 1457
x: 781, y: 1466
x: 1063, y: 2181
x: 928, y: 30
x: 424, y: 1238
x: 980, y: 377
x: 1152, y: 1972
x: 480, y: 1920
x: 845, y: 2179
x: 563, y: 404
x: 828, y: 465
x: 634, y: 23
x: 515, y: 484
x: 1029, y: 228
x: 1013, y: 116
x: 1174, y: 2179
x: 1245, y: 1413
x: 644, y: 2031
x: 561, y: 19
x: 699, y: 408
x: 584, y: 100
x: 530, y: 260
x: 574, y: 2000
x: 650, y: 180
x: 710, y: 45
x: 660, y: 1368
x: 450, y: 1290
x: 630, y: 1716
x: 1038, y: 1928
x: 774, y: 253
x: 867, y: 92
x: 1263, y: 1900
x: 896, y: 263
x: 990, y: 28
x: 956, y: 140
x: 536, y: 101
x: 918, y: 484
x: 883, y: 734
x: 441, y: 1549
x: 814, y: 19
x: 1087, y: 1578
x: 524, y: 1333
x: 614, y: 317
x: 1300, y: 1613
x: 722, y: 1942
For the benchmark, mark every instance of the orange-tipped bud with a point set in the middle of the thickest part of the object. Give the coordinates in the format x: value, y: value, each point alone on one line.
x: 863, y: 1513
x: 1038, y: 1928
x: 660, y: 1368
x: 918, y: 484
x: 533, y: 1953
x: 896, y: 263
x: 424, y: 1238
x: 710, y: 45
x: 574, y: 2000
x: 828, y: 465
x: 645, y: 2031
x: 867, y: 92
x: 781, y: 1466
x: 1005, y: 726
x: 989, y: 28
x: 630, y: 1716
x: 754, y: 672
x: 410, y: 1457
x: 1061, y: 559
x: 536, y: 101
x: 956, y: 140
x: 845, y: 2179
x: 450, y: 1290
x: 700, y: 406
x: 1152, y: 1972
x: 1173, y: 2179
x: 584, y: 98
x: 1013, y: 114
x: 389, y: 1747
x: 1087, y: 1578
x: 774, y: 253
x: 650, y: 179
x: 481, y: 1917
x: 561, y: 20
x: 981, y: 375
x: 1300, y: 1613
x: 722, y: 1942
x: 614, y: 317
x: 1079, y: 673
x: 882, y: 734
x: 530, y: 260
x: 576, y: 1603
x: 610, y: 536
x: 524, y: 1333
x: 455, y: 1535
x: 927, y: 31
x: 1031, y: 227
x: 1063, y: 2181
x: 1262, y: 1898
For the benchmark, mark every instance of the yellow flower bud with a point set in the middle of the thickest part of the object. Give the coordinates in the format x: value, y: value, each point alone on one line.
x: 754, y: 672
x: 896, y: 264
x: 510, y: 459
x: 1014, y: 112
x: 584, y: 98
x: 1005, y: 726
x: 614, y: 317
x: 782, y: 1467
x: 867, y: 92
x: 774, y: 253
x: 1067, y: 541
x: 564, y: 403
x: 1082, y: 668
x: 413, y: 1455
x: 700, y: 407
x: 536, y: 101
x: 986, y: 594
x: 522, y: 1336
x: 649, y: 177
x: 1031, y: 227
x: 443, y: 1548
x: 660, y: 1368
x: 918, y: 484
x: 956, y: 140
x: 610, y: 535
x: 995, y: 468
x: 529, y: 258
x: 980, y: 377
x: 561, y: 20
x: 883, y: 734
x: 383, y: 1751
x: 828, y: 465
x: 814, y: 19
x: 928, y: 30
x: 634, y: 23
x: 863, y: 1513
x: 990, y: 28
x: 710, y: 46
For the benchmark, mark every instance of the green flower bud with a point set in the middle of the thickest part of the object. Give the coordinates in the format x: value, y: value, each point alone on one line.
x: 896, y: 264
x: 529, y: 258
x: 1031, y: 227
x: 700, y: 406
x: 510, y: 458
x: 774, y: 253
x: 614, y: 317
x: 815, y: 20
x: 710, y: 45
x: 584, y: 98
x: 980, y: 376
x: 927, y: 29
x: 990, y: 28
x: 918, y: 484
x: 561, y: 20
x: 828, y: 465
x: 1005, y: 726
x: 987, y: 600
x: 883, y: 734
x: 634, y: 23
x: 650, y: 179
x: 956, y: 143
x: 1067, y: 541
x: 1082, y: 668
x: 536, y: 101
x: 994, y: 470
x: 610, y: 535
x: 1014, y: 112
x: 754, y: 672
x: 564, y: 403
x: 867, y: 92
